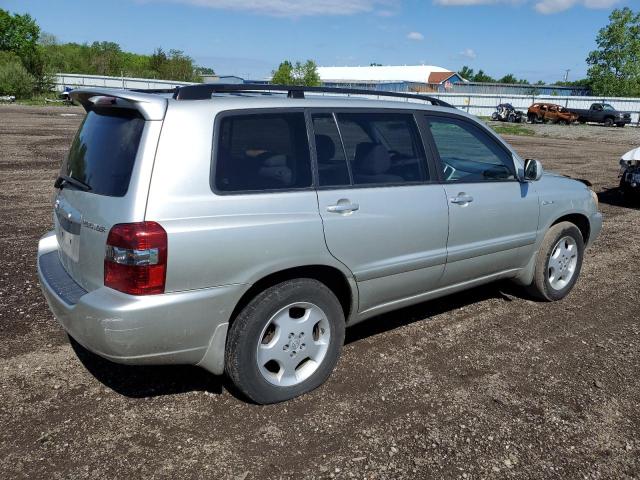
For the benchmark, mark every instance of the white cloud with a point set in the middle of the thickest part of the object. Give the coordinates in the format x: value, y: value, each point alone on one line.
x: 416, y: 36
x: 291, y: 8
x: 541, y: 6
x: 554, y: 6
x: 468, y: 53
x: 463, y: 3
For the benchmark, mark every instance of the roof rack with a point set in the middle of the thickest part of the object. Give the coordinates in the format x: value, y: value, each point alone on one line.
x: 205, y: 90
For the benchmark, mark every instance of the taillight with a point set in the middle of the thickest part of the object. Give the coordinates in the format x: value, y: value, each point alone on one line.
x: 135, y: 261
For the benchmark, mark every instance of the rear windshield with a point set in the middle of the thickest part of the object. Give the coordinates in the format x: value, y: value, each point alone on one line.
x: 104, y: 150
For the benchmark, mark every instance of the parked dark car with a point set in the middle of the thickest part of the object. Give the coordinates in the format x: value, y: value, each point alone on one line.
x: 550, y: 112
x: 505, y: 112
x: 603, y: 113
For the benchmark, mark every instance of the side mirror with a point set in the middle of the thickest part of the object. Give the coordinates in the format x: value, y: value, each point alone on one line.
x: 532, y: 170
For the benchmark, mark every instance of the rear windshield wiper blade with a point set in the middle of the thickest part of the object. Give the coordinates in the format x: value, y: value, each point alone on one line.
x: 63, y: 180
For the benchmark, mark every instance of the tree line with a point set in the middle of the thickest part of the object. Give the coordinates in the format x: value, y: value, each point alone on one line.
x: 30, y: 57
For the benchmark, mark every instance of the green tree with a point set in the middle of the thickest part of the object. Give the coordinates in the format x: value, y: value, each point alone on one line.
x: 205, y: 71
x: 483, y: 77
x: 179, y: 67
x: 296, y: 74
x: 284, y: 74
x: 308, y: 73
x: 158, y: 60
x: 467, y: 73
x: 511, y: 78
x: 106, y: 58
x: 19, y: 34
x: 614, y: 67
x: 14, y: 78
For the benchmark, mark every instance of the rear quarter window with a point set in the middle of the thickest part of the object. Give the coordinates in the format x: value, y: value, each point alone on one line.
x: 104, y: 150
x: 262, y: 152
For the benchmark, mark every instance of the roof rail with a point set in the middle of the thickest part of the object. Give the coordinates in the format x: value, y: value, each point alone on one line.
x: 205, y: 90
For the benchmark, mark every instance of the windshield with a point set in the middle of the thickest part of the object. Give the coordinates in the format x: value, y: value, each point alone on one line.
x: 606, y: 106
x: 104, y: 150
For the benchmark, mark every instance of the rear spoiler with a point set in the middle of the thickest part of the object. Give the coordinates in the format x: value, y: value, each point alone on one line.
x: 152, y: 107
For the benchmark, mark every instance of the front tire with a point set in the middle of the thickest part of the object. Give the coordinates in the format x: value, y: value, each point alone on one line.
x: 286, y: 341
x: 558, y: 262
x: 608, y: 122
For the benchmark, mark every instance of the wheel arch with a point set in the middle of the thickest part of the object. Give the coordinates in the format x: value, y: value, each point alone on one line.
x: 579, y: 220
x: 525, y: 277
x: 342, y: 286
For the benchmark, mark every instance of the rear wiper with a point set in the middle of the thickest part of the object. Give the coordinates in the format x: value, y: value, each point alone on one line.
x: 63, y: 180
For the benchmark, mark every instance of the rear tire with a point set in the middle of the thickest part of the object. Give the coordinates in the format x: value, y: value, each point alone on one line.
x: 286, y: 341
x: 558, y: 262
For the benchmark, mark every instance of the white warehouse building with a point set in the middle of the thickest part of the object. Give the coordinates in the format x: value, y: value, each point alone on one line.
x: 388, y: 73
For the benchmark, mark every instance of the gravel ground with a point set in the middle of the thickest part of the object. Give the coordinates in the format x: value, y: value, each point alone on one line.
x: 628, y: 134
x: 482, y: 384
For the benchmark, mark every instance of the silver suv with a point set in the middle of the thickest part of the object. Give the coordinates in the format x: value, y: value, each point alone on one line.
x: 242, y: 230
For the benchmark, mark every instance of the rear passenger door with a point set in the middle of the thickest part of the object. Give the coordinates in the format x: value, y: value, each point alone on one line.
x: 493, y: 218
x: 385, y: 217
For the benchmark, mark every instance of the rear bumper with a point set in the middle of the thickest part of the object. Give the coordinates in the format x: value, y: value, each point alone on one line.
x: 173, y: 328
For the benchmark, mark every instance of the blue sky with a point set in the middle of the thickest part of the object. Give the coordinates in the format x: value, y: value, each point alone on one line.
x: 534, y: 39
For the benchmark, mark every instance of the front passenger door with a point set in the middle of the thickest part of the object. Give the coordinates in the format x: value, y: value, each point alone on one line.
x: 493, y: 218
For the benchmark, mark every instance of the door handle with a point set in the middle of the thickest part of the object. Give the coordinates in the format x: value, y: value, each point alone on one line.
x: 343, y: 208
x: 462, y: 199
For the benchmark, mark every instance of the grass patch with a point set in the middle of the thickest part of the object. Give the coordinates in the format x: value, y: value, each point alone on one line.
x: 513, y: 129
x: 41, y: 100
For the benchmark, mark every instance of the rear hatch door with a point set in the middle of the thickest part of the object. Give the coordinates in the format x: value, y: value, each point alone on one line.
x: 105, y: 178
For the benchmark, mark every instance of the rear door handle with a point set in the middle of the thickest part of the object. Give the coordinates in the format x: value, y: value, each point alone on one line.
x: 343, y: 208
x: 462, y: 199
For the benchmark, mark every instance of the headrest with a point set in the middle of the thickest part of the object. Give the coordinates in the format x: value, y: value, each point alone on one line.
x: 325, y: 148
x: 371, y: 159
x: 275, y: 161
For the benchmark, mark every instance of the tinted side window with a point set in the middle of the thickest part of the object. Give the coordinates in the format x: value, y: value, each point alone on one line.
x: 265, y: 151
x: 468, y: 154
x: 332, y: 164
x: 104, y: 150
x: 382, y: 147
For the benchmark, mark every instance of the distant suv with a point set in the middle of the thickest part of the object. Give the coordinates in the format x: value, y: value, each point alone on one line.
x: 243, y: 231
x: 549, y: 112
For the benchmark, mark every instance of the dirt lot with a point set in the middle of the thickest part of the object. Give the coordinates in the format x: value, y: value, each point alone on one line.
x: 483, y: 384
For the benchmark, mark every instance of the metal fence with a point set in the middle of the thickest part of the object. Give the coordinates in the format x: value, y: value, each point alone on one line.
x: 484, y: 105
x: 474, y: 103
x: 75, y: 80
